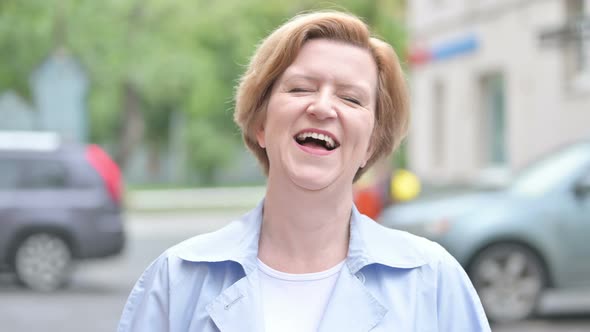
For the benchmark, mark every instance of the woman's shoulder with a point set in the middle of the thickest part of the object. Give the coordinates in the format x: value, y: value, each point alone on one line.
x: 230, y: 244
x: 400, y: 249
x: 213, y: 253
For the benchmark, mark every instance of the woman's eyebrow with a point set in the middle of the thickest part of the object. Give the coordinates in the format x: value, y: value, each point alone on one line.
x: 355, y: 86
x: 299, y: 76
x: 363, y: 89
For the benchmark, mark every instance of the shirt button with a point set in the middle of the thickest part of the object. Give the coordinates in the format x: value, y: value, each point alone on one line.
x: 361, y: 277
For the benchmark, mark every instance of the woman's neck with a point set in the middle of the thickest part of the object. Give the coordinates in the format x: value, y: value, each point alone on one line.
x: 304, y: 231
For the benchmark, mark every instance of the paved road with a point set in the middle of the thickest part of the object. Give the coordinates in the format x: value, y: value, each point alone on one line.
x: 99, y: 289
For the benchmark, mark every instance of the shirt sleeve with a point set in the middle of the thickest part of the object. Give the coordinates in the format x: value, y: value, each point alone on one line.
x: 147, y: 308
x: 459, y: 307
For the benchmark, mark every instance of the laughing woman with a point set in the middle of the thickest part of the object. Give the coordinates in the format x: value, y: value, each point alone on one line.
x: 321, y: 101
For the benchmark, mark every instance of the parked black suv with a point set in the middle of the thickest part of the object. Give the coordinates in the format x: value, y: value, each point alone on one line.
x: 58, y: 203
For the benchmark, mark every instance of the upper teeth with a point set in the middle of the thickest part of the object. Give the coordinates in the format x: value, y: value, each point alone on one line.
x: 329, y: 141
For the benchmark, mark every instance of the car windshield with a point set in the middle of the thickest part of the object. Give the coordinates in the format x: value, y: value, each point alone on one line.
x: 546, y: 174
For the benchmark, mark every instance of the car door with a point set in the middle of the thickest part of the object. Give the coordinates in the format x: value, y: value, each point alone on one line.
x: 579, y: 241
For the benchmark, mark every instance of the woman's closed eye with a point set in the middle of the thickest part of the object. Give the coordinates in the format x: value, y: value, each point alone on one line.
x: 300, y: 89
x: 351, y: 100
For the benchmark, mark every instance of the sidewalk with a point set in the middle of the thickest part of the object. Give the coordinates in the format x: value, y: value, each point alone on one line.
x: 194, y: 199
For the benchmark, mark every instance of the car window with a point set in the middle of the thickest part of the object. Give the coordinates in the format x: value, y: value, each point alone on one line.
x: 548, y: 173
x: 44, y: 174
x: 9, y: 174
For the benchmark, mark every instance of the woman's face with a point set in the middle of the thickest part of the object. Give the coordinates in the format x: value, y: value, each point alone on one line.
x: 321, y: 115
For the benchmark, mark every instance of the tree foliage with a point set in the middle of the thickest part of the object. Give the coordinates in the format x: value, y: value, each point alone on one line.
x: 148, y: 58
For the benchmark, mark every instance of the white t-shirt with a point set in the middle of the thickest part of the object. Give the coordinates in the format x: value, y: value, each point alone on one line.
x: 295, y: 302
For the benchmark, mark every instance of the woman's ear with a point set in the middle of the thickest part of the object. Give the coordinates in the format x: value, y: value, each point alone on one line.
x: 364, y: 163
x: 260, y: 137
x: 369, y: 154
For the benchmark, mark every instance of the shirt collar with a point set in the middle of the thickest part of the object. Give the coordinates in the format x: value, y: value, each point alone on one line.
x: 236, y: 242
x: 370, y: 243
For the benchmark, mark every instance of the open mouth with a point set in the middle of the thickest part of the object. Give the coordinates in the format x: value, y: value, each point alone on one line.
x: 316, y: 140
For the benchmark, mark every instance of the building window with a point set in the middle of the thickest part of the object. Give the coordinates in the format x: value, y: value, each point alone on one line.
x: 577, y: 50
x: 438, y: 124
x: 493, y: 120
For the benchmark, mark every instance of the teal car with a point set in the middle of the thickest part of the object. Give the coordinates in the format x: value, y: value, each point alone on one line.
x: 517, y: 242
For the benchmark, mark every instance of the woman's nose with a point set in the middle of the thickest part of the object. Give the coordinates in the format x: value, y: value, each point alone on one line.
x: 322, y: 107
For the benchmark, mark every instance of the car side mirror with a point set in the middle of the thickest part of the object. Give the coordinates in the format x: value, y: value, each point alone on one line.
x: 582, y: 189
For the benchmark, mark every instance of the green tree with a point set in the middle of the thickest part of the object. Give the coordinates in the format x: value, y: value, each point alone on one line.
x: 148, y: 59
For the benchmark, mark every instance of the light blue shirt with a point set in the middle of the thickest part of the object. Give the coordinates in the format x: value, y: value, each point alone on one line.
x: 391, y: 281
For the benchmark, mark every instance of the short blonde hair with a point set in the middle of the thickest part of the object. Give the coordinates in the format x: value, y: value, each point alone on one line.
x: 278, y: 51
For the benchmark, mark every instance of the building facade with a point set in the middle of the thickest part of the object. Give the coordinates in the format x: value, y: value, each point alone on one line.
x: 495, y: 84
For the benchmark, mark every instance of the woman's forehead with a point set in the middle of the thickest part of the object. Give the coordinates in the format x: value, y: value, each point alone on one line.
x: 343, y: 63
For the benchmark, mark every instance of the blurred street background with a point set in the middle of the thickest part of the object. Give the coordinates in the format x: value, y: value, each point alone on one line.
x: 94, y: 301
x: 140, y: 96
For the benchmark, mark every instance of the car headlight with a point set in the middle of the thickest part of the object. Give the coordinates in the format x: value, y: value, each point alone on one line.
x: 427, y: 227
x: 430, y: 228
x: 437, y: 227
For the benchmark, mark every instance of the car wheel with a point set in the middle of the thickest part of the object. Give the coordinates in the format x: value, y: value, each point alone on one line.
x: 509, y: 279
x: 42, y: 261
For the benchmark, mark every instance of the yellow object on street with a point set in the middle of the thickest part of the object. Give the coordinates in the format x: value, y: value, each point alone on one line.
x: 405, y: 186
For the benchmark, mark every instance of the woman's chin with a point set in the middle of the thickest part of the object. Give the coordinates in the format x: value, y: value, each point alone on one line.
x: 312, y: 181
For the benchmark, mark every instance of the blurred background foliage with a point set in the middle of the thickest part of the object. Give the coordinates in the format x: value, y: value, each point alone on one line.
x: 147, y: 59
